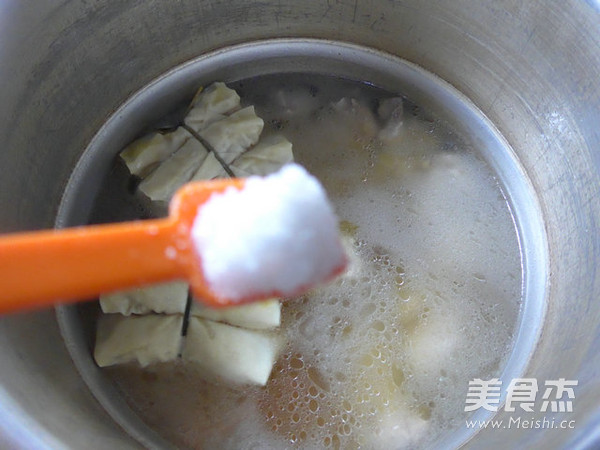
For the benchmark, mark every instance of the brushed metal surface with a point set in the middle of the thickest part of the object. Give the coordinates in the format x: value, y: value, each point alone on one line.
x: 530, y: 67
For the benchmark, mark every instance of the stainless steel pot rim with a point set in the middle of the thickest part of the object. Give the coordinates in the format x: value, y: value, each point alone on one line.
x: 305, y: 55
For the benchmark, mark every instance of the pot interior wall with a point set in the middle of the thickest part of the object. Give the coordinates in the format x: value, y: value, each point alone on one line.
x: 530, y: 68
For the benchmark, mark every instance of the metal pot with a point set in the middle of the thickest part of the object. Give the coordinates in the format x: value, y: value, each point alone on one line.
x: 530, y: 67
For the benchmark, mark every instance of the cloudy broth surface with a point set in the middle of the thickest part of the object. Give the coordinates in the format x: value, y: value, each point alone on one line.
x: 380, y: 358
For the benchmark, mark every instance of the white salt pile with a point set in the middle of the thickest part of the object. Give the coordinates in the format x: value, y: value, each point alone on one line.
x: 278, y: 235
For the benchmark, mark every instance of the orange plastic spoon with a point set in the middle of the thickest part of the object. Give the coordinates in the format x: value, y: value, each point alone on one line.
x: 42, y: 268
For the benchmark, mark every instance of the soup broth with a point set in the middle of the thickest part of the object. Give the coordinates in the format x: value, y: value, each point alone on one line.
x: 381, y: 357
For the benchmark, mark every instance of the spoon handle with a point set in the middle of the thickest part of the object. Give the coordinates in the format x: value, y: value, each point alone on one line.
x: 41, y: 268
